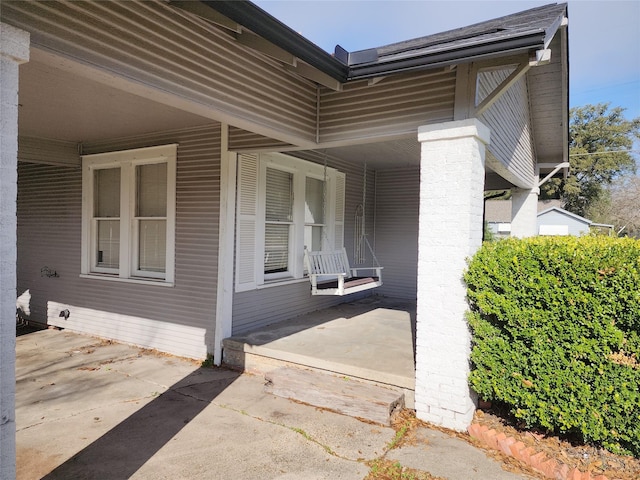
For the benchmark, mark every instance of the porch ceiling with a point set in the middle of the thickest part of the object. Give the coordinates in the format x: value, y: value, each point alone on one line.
x: 57, y: 105
x: 382, y: 155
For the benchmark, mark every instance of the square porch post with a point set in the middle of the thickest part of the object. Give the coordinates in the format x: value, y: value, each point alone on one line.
x: 524, y: 212
x: 450, y: 230
x: 14, y: 50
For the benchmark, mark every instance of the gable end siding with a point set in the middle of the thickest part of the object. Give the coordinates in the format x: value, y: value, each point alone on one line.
x: 511, y: 136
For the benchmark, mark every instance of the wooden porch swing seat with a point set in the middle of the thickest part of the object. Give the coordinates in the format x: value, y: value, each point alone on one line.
x: 330, y: 273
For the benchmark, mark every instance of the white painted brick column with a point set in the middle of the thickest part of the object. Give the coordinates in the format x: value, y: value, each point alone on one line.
x: 450, y: 231
x: 524, y: 212
x: 14, y: 50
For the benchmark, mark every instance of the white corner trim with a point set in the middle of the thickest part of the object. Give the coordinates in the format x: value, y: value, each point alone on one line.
x: 226, y: 242
x: 470, y: 127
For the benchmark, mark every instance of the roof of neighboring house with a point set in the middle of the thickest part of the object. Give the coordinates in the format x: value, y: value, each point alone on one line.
x: 562, y: 211
x: 524, y: 31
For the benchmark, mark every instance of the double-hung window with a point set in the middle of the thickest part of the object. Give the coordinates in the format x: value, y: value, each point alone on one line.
x: 128, y: 219
x: 284, y: 205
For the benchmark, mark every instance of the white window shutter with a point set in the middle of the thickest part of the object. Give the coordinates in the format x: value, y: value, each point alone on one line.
x: 338, y: 242
x: 246, y: 222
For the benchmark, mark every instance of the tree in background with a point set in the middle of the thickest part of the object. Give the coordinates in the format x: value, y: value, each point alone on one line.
x: 620, y: 205
x: 600, y: 139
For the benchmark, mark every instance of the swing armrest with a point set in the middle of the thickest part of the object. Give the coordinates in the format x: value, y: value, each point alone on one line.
x: 355, y: 270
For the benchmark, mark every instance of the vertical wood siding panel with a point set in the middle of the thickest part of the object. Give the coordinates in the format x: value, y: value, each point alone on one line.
x: 49, y: 213
x: 397, y: 202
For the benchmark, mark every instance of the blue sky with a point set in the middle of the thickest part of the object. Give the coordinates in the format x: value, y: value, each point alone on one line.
x: 604, y: 36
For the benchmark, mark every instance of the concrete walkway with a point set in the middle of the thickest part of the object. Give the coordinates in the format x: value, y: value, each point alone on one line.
x: 90, y: 409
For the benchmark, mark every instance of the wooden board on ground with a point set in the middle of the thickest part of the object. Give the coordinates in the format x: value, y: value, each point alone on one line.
x: 339, y: 394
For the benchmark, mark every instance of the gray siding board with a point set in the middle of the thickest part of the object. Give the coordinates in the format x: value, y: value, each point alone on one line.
x: 242, y: 140
x: 397, y: 206
x: 49, y: 212
x: 51, y: 152
x: 395, y: 105
x: 173, y: 51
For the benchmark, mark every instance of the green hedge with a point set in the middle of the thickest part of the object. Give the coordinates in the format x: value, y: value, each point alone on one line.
x: 556, y: 323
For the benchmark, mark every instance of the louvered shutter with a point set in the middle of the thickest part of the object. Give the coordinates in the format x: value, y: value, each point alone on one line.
x: 339, y: 211
x: 246, y: 222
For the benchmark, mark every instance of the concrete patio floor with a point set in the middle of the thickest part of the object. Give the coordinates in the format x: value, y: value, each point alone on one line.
x: 87, y: 408
x: 370, y: 339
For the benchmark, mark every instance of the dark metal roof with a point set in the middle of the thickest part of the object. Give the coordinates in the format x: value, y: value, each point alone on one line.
x: 520, y: 32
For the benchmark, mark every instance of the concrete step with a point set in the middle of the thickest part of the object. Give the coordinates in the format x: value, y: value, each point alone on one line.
x: 262, y: 359
x: 340, y: 394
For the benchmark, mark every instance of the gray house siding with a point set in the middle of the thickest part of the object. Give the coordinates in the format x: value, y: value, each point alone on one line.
x: 397, y: 202
x: 176, y: 319
x: 511, y: 146
x: 393, y: 106
x: 169, y: 50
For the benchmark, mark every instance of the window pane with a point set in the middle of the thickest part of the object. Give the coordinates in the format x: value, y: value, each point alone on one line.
x: 108, y: 236
x: 276, y: 248
x: 279, y: 198
x: 151, y: 190
x: 313, y: 209
x: 106, y: 193
x: 313, y: 237
x: 152, y: 245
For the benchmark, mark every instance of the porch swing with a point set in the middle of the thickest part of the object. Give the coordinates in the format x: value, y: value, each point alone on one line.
x: 329, y: 270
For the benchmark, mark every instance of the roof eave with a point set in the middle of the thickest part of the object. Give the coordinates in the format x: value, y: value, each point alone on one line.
x: 501, y: 48
x: 268, y: 27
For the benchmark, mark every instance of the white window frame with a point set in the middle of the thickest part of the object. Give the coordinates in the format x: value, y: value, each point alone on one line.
x: 127, y: 161
x: 300, y: 169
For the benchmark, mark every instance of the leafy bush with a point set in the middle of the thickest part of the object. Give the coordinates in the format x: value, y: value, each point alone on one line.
x: 556, y: 325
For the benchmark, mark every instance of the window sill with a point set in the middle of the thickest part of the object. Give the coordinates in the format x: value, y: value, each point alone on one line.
x: 280, y: 282
x: 139, y: 281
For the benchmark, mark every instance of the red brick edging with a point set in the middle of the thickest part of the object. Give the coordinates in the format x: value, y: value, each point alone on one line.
x: 548, y: 467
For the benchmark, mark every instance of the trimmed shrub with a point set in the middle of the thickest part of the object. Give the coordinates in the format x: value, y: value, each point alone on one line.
x: 555, y: 323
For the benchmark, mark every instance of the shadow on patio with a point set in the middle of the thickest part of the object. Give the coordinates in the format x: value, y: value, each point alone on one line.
x: 124, y: 449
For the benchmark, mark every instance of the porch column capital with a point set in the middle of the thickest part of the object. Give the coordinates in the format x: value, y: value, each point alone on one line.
x: 14, y: 44
x: 471, y: 127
